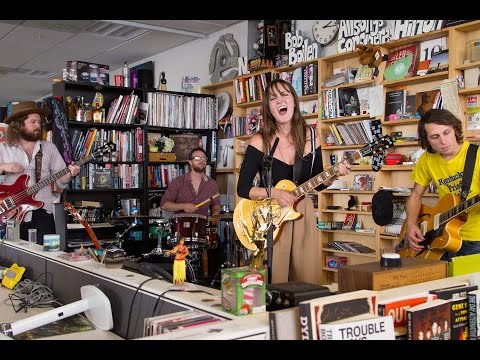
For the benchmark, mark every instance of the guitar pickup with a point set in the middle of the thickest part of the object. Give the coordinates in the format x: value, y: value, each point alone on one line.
x: 9, y: 203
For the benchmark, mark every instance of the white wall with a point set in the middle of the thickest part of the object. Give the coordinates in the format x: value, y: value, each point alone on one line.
x: 192, y: 58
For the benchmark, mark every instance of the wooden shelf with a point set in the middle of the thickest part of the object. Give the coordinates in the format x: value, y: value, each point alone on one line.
x: 469, y: 91
x: 397, y: 167
x: 347, y: 211
x: 372, y: 255
x: 348, y: 232
x: 358, y: 192
x: 400, y: 122
x: 345, y: 119
x: 213, y: 87
x: 471, y: 65
x: 417, y: 79
x: 250, y: 104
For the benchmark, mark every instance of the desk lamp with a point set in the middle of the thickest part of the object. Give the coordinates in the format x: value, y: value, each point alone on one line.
x: 94, y: 303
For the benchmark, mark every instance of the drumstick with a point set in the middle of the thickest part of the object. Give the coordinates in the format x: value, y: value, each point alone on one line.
x: 207, y: 200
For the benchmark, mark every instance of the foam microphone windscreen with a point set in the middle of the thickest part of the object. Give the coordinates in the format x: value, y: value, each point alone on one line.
x: 382, y: 207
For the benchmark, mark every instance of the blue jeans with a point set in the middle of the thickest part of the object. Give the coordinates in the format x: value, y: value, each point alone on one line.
x: 468, y: 248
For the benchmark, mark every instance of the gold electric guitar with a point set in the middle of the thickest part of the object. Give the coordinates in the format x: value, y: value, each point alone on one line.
x: 250, y: 217
x: 440, y: 226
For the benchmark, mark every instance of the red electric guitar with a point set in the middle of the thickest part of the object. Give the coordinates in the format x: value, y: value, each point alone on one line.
x: 17, y: 199
x: 71, y: 209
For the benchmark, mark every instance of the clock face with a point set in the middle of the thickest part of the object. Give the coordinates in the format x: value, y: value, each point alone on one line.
x: 325, y: 31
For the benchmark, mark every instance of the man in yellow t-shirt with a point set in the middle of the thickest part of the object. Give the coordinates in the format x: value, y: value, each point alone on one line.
x: 440, y: 133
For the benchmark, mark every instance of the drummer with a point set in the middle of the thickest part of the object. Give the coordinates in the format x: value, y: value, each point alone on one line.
x: 194, y: 187
x: 185, y: 192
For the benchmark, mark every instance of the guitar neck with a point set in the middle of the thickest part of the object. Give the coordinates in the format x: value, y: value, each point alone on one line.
x: 44, y: 182
x: 456, y: 210
x: 323, y: 176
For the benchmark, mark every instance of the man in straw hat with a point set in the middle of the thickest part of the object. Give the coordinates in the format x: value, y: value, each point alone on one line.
x: 25, y: 153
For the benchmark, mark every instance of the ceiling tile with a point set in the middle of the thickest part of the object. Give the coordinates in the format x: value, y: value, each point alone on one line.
x: 25, y: 43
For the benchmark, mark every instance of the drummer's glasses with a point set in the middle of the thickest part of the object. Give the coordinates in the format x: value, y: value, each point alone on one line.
x: 199, y: 158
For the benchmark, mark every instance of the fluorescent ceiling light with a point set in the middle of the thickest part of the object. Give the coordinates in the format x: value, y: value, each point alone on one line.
x: 156, y: 27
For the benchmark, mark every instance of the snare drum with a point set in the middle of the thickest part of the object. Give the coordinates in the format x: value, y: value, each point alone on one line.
x: 211, y: 237
x: 192, y: 227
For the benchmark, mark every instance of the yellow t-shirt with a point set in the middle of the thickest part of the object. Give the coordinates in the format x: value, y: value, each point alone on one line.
x: 447, y: 176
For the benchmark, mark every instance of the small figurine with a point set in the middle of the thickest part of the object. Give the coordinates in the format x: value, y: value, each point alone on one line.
x: 179, y: 266
x: 258, y: 45
x: 163, y: 81
x: 70, y: 108
x: 351, y: 202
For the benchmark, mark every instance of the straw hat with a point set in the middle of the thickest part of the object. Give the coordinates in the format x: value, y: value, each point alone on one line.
x: 25, y: 108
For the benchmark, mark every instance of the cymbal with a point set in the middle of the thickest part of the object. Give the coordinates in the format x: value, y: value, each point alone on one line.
x: 224, y: 216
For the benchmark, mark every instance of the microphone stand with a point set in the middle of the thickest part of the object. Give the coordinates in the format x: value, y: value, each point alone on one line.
x: 267, y: 177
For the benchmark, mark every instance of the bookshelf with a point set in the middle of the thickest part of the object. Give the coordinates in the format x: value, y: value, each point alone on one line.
x: 389, y: 175
x: 126, y: 167
x: 456, y: 38
x: 131, y: 166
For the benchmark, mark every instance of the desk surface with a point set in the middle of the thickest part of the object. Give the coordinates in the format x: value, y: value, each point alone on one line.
x: 193, y: 296
x: 8, y: 315
x: 253, y: 326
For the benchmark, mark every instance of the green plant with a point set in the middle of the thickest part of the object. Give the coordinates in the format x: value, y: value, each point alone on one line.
x: 164, y: 144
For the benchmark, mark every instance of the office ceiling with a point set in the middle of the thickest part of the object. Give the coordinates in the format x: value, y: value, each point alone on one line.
x: 33, y: 52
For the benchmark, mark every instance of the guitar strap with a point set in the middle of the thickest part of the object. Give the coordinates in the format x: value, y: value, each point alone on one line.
x: 297, y: 166
x: 38, y: 164
x: 468, y: 171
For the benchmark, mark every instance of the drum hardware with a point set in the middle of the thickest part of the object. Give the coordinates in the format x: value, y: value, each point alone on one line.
x: 161, y: 227
x: 230, y: 253
x: 119, y: 236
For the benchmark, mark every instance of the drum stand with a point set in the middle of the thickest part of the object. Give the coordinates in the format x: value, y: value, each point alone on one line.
x: 119, y: 237
x: 158, y: 250
x: 230, y: 244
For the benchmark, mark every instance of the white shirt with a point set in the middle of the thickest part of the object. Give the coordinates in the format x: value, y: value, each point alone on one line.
x: 52, y: 163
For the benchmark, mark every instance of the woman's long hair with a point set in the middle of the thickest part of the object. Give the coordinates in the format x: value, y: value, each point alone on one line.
x: 299, y: 126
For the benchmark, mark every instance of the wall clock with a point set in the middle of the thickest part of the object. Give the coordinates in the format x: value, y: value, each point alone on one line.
x: 325, y: 31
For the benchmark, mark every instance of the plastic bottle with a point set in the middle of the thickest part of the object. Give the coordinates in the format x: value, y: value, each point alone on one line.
x: 126, y: 77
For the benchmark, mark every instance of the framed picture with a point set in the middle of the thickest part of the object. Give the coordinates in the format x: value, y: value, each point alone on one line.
x: 184, y: 144
x: 362, y: 182
x: 102, y: 179
x: 272, y: 35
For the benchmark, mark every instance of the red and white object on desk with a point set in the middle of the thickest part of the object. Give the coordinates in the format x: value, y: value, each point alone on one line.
x: 393, y: 159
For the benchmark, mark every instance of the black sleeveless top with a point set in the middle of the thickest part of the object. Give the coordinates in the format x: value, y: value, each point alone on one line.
x: 252, y: 163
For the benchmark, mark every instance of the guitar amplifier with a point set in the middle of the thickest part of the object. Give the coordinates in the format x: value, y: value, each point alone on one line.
x: 289, y: 294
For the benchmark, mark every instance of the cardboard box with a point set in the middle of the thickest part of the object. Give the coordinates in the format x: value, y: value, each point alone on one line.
x: 243, y: 290
x: 161, y: 157
x: 373, y: 276
x: 85, y: 72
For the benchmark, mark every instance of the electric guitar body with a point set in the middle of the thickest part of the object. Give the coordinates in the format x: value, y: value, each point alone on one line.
x: 18, y: 198
x: 440, y: 225
x: 259, y: 209
x: 253, y: 218
x: 27, y: 202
